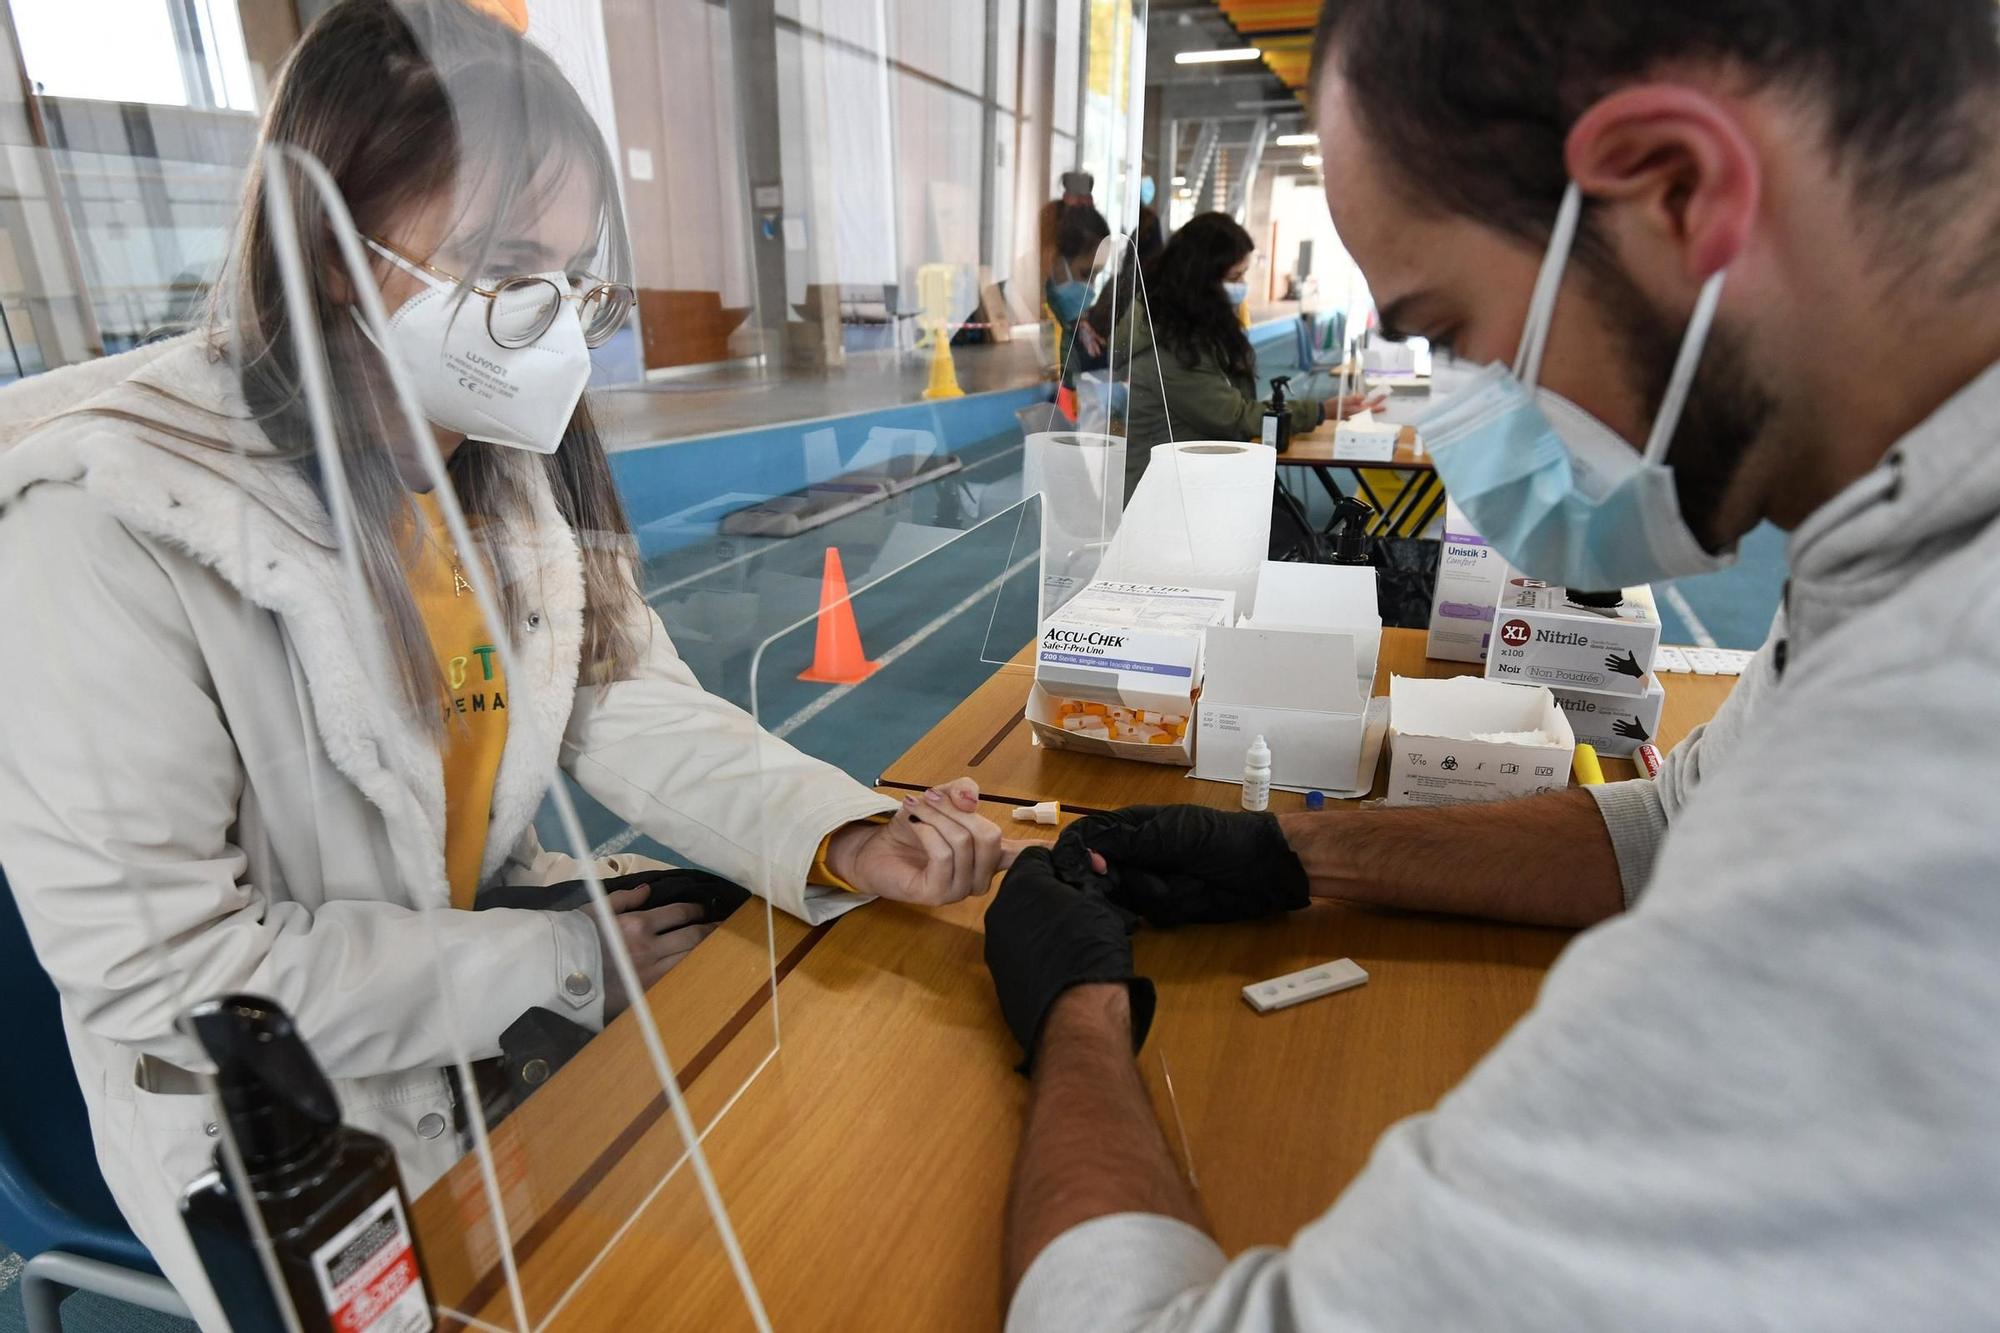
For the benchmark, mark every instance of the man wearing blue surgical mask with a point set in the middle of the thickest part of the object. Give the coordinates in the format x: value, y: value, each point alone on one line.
x: 1721, y: 262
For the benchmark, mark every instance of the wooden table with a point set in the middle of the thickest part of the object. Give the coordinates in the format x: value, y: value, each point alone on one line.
x: 1419, y: 499
x: 864, y: 1170
x: 988, y: 739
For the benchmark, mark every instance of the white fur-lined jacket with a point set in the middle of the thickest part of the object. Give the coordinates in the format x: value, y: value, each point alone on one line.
x: 202, y: 790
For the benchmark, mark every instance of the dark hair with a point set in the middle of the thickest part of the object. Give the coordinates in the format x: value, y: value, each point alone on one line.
x: 399, y: 100
x: 1473, y: 99
x: 1191, y: 317
x: 1080, y: 229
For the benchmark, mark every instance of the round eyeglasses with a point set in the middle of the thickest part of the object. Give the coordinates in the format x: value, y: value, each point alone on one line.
x: 519, y: 310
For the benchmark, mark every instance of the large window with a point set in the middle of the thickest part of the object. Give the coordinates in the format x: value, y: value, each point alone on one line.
x: 163, y: 52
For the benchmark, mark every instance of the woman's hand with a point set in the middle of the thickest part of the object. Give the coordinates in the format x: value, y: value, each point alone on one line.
x: 937, y: 849
x: 657, y: 939
x: 1340, y: 409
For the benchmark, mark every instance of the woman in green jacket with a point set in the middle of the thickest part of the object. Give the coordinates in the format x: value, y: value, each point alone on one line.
x: 1207, y: 378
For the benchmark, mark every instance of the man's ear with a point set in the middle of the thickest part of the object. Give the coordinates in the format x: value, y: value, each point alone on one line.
x: 1679, y: 154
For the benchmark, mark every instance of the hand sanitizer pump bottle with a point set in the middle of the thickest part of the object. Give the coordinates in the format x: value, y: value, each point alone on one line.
x: 1278, y: 416
x: 329, y: 1198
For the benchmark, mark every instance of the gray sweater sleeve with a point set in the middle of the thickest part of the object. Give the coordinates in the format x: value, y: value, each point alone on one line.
x: 1637, y: 812
x: 1763, y: 1099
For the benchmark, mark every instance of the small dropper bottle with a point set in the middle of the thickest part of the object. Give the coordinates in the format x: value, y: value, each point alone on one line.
x: 1257, y: 776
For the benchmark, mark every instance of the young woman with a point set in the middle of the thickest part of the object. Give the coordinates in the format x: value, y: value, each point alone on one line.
x: 1207, y: 377
x: 223, y: 769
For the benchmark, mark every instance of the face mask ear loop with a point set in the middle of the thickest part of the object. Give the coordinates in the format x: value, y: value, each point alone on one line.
x: 1548, y: 283
x: 1682, y: 379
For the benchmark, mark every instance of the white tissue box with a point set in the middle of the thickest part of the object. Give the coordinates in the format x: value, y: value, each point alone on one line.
x: 1363, y: 439
x: 1436, y: 756
x: 1540, y: 637
x: 1389, y: 358
x: 1614, y: 724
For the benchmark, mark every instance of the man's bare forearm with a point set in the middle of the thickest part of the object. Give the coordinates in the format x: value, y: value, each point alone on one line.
x: 1546, y: 860
x: 1091, y: 1146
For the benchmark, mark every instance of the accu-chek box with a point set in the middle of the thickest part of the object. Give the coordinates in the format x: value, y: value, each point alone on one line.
x: 1131, y: 653
x: 1543, y: 636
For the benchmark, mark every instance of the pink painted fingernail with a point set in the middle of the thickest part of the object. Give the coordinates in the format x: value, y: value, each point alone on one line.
x: 934, y: 796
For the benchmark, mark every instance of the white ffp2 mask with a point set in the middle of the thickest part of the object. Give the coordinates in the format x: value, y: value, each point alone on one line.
x: 522, y: 397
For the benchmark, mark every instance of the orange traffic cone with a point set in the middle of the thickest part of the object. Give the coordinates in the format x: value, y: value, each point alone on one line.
x: 1066, y: 401
x: 837, y: 655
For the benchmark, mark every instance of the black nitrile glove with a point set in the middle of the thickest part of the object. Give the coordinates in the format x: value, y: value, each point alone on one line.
x: 1176, y: 865
x: 1044, y: 936
x: 1628, y: 665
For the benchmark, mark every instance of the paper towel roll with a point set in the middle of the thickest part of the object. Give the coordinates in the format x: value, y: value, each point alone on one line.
x: 1081, y: 479
x: 1201, y: 516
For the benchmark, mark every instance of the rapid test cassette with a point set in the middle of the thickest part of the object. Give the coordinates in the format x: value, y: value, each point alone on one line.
x: 1309, y: 984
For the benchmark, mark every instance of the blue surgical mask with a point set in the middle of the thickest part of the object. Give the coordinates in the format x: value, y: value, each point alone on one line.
x: 1237, y: 292
x: 1068, y: 299
x: 1554, y: 490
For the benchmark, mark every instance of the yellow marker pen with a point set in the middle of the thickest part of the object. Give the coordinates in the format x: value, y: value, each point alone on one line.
x: 1586, y: 768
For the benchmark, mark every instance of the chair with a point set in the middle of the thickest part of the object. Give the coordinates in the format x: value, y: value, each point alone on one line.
x: 1312, y: 360
x: 55, y: 1211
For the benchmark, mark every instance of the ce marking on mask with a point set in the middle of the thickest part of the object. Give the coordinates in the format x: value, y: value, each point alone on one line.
x: 487, y: 379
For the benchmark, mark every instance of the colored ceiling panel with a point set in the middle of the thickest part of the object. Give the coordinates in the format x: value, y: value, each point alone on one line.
x: 1252, y: 15
x: 1283, y: 29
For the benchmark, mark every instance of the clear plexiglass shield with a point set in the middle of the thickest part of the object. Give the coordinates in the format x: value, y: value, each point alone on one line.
x: 414, y: 1043
x: 1114, y: 493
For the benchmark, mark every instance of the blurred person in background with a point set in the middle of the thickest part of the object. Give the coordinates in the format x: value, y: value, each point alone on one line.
x: 1080, y: 230
x: 1206, y: 385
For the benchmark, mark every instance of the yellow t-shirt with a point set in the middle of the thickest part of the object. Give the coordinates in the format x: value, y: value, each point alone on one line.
x: 475, y: 721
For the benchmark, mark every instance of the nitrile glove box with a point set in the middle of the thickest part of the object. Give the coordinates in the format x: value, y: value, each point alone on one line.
x: 1136, y: 647
x: 1614, y: 724
x: 1467, y: 739
x: 1299, y: 674
x: 1542, y: 637
x: 1469, y: 579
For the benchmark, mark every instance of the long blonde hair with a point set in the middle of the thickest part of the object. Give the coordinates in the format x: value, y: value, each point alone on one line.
x: 400, y: 101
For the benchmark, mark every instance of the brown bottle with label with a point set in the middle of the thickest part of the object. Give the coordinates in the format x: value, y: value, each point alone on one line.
x: 329, y: 1196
